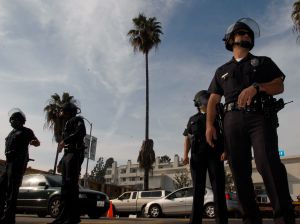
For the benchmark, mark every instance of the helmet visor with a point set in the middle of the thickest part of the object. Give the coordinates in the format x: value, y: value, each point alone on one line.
x: 248, y: 22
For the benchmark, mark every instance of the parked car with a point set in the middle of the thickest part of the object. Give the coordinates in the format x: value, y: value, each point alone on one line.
x: 40, y: 194
x: 135, y: 201
x: 179, y: 203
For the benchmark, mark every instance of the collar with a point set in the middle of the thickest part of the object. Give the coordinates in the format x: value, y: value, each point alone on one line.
x: 248, y: 57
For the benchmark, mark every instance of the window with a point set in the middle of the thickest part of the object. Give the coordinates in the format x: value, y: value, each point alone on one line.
x: 123, y: 179
x: 122, y: 171
x: 108, y: 172
x: 132, y: 178
x: 133, y: 170
x: 134, y: 195
x: 150, y: 194
x: 108, y: 180
x: 190, y: 192
x: 54, y: 181
x: 125, y: 196
x: 178, y: 194
x: 34, y: 181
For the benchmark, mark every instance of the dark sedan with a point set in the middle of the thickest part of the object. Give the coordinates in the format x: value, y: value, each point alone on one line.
x: 40, y: 194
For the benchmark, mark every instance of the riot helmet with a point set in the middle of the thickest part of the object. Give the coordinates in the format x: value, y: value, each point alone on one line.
x: 242, y: 24
x: 16, y: 118
x: 201, y: 98
x: 70, y: 108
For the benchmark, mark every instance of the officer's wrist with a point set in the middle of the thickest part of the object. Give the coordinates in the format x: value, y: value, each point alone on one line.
x: 256, y: 86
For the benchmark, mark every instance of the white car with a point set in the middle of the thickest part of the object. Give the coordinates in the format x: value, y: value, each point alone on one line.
x: 179, y: 203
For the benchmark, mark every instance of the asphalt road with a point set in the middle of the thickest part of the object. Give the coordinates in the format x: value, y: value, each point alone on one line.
x: 28, y: 219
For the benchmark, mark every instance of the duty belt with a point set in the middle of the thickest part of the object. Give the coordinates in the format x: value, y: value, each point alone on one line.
x: 233, y: 106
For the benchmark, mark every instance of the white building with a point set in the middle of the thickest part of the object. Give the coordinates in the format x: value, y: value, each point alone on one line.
x: 162, y: 176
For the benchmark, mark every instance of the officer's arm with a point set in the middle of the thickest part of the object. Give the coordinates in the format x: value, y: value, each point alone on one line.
x: 211, y: 134
x: 272, y: 88
x: 186, y: 149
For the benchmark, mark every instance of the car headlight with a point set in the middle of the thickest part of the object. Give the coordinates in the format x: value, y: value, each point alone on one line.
x: 82, y: 196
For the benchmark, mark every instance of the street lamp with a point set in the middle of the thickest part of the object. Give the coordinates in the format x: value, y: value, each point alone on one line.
x: 88, y: 155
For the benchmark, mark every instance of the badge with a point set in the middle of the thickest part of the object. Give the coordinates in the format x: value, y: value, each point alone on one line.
x: 254, y: 62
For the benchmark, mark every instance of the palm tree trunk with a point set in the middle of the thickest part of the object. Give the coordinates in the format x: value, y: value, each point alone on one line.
x: 146, y: 180
x: 147, y: 99
x: 55, y: 162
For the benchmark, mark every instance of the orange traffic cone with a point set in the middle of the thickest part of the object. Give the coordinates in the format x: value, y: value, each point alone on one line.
x: 110, y: 212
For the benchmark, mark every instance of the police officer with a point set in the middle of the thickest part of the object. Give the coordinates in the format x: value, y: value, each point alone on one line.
x: 203, y: 159
x: 248, y: 84
x: 16, y: 152
x: 73, y: 145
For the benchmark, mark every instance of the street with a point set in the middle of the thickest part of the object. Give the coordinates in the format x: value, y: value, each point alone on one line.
x: 32, y: 219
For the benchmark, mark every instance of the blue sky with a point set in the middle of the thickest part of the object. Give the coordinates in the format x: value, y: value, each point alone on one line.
x: 81, y: 47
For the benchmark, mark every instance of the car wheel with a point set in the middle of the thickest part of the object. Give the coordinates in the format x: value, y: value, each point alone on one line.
x: 209, y: 210
x: 155, y: 211
x: 42, y: 214
x: 54, y: 207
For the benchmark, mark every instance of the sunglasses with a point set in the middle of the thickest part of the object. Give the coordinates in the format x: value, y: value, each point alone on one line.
x: 242, y: 33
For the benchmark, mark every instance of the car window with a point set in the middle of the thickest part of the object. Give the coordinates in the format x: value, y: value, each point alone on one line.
x: 134, y: 195
x: 33, y: 180
x: 54, y: 180
x: 190, y: 192
x: 151, y: 194
x: 168, y: 192
x: 178, y: 194
x: 125, y: 196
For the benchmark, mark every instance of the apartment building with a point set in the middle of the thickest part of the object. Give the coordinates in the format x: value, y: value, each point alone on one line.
x: 162, y: 175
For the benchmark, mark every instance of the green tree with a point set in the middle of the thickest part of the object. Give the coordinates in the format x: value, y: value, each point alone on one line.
x: 164, y: 159
x: 182, y: 179
x: 296, y: 17
x: 52, y: 119
x: 143, y: 37
x: 100, y: 168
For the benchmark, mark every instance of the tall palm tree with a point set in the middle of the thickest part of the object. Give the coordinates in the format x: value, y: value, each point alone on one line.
x: 52, y: 119
x: 143, y: 37
x: 296, y: 17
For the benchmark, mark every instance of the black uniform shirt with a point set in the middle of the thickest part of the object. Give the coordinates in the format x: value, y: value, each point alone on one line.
x: 231, y: 78
x: 195, y: 130
x: 74, y: 132
x: 16, y: 143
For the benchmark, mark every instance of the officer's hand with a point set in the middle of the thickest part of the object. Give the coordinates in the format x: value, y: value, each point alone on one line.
x: 58, y: 168
x: 224, y: 156
x: 211, y: 135
x: 60, y: 146
x: 185, y: 160
x: 246, y: 96
x: 35, y: 142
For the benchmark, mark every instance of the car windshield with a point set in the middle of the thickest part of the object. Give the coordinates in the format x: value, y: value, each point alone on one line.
x: 54, y: 180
